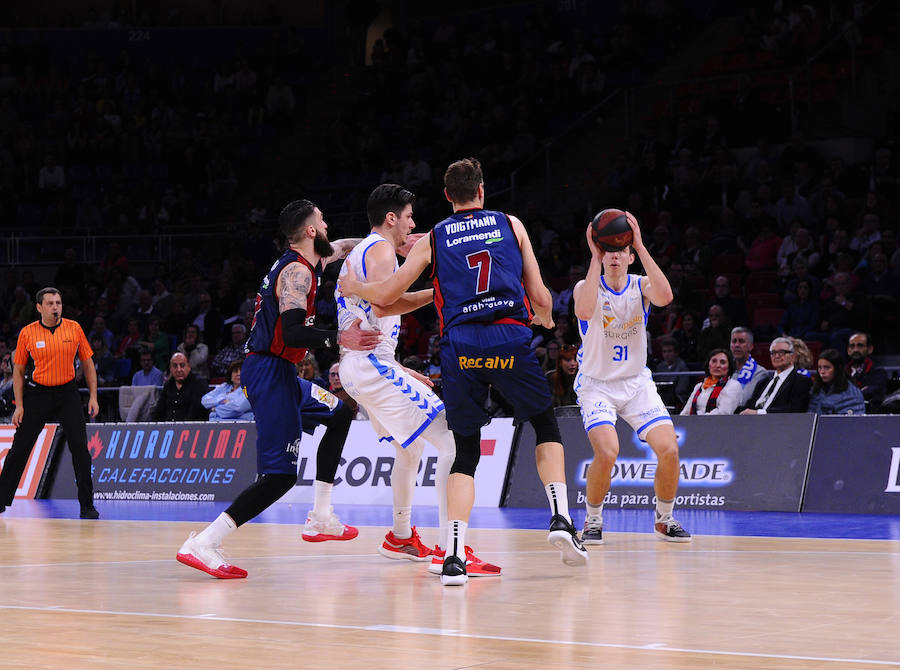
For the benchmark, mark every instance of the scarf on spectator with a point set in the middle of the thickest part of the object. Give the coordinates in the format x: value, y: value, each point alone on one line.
x: 856, y: 377
x: 713, y: 399
x: 747, y: 371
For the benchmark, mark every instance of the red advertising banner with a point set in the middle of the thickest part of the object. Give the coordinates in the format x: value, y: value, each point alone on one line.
x: 34, y: 470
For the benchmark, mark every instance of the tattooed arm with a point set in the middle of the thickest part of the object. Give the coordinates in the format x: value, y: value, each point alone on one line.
x: 292, y: 288
x: 341, y: 249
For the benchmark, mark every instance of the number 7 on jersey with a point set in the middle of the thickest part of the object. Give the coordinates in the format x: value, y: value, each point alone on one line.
x: 481, y: 261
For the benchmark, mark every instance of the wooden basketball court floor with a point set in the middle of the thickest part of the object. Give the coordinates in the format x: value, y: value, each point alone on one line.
x: 753, y: 590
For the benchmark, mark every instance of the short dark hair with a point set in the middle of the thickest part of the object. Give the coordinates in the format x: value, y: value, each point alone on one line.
x: 39, y: 297
x: 715, y: 352
x: 669, y: 342
x: 387, y: 198
x: 293, y: 217
x: 462, y: 179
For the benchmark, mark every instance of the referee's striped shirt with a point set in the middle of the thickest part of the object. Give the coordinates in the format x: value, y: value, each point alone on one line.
x: 53, y: 351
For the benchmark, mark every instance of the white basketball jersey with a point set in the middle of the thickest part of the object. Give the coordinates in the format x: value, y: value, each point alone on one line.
x: 350, y: 308
x: 614, y: 341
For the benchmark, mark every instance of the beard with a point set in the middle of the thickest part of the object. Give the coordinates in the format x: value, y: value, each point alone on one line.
x: 322, y: 246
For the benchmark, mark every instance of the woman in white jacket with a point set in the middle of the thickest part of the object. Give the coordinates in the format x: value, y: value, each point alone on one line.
x: 718, y: 393
x: 227, y: 401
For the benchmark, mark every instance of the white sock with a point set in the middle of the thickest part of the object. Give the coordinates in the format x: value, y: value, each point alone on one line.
x: 402, y: 522
x: 456, y: 539
x: 403, y: 486
x: 558, y: 497
x: 441, y: 437
x: 215, y: 532
x: 594, y: 510
x: 322, y: 504
x: 664, y: 508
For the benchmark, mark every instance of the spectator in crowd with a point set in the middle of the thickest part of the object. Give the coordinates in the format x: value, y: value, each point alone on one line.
x: 7, y: 404
x: 867, y: 234
x: 157, y: 342
x: 231, y: 352
x: 130, y: 344
x: 563, y: 300
x: 182, y: 394
x: 803, y: 358
x: 715, y: 335
x: 799, y: 244
x: 562, y: 379
x: 799, y: 273
x: 787, y: 391
x: 104, y: 363
x: 99, y: 328
x: 733, y: 306
x: 337, y: 388
x: 309, y: 370
x: 195, y: 350
x: 551, y: 356
x: 688, y: 338
x: 748, y: 371
x: 763, y: 250
x: 790, y: 206
x: 718, y: 392
x: 672, y: 362
x: 148, y: 375
x: 803, y: 315
x: 832, y: 392
x: 209, y: 321
x: 863, y: 373
x: 227, y: 401
x: 21, y: 311
x: 842, y: 313
x: 433, y: 362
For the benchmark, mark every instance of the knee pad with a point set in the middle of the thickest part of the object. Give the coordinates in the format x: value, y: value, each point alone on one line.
x: 468, y: 453
x: 546, y: 428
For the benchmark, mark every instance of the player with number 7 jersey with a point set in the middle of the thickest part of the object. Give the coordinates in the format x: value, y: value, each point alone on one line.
x: 613, y: 379
x: 484, y: 272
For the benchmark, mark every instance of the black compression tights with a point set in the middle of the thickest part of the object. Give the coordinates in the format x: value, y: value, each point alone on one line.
x: 258, y: 496
x: 328, y: 457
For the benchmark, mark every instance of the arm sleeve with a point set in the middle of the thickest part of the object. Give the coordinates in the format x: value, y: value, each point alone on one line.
x: 296, y: 333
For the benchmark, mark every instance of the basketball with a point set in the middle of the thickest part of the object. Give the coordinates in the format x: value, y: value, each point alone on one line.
x: 610, y: 230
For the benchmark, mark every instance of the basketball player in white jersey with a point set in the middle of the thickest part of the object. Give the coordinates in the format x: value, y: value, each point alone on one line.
x: 613, y: 378
x: 399, y: 401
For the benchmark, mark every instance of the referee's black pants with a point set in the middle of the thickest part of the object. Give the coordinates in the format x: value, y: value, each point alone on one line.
x: 42, y: 405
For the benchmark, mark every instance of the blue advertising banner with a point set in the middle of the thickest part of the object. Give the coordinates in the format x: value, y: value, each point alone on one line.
x: 165, y: 461
x: 855, y: 466
x: 727, y: 463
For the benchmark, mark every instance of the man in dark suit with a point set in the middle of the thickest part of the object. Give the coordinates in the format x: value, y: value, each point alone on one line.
x: 787, y: 390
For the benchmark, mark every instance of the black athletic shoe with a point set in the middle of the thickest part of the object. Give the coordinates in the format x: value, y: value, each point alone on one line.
x: 669, y: 530
x: 564, y: 537
x: 593, y: 531
x: 89, y: 512
x: 2, y: 509
x: 454, y: 571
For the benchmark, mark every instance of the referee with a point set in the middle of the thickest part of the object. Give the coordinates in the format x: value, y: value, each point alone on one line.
x: 52, y: 343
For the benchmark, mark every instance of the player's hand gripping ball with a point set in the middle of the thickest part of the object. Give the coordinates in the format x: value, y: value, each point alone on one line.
x: 610, y: 230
